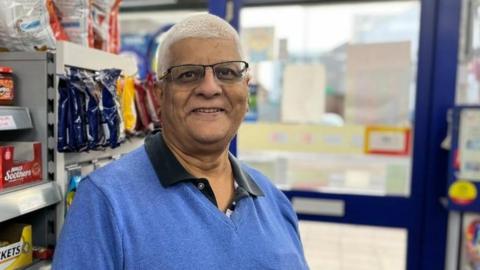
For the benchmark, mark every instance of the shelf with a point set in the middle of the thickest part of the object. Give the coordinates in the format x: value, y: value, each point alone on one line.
x: 40, y: 265
x: 128, y: 146
x: 12, y: 118
x: 21, y: 200
x: 73, y: 55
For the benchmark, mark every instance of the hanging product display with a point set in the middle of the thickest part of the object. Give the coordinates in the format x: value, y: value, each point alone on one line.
x: 98, y: 109
x: 88, y: 111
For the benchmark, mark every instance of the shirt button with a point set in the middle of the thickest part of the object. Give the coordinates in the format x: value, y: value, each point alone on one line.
x: 201, y: 186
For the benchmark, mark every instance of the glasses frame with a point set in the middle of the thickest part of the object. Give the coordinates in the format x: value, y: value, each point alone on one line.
x: 212, y: 66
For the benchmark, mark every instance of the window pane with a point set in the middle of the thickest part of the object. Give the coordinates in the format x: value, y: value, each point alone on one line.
x: 332, y: 246
x: 332, y: 95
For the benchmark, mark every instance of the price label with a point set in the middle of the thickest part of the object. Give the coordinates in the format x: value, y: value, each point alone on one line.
x: 7, y: 122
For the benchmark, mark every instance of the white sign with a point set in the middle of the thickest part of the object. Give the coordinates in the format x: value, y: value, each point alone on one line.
x: 378, y: 79
x: 469, y: 144
x: 7, y: 122
x: 303, y: 99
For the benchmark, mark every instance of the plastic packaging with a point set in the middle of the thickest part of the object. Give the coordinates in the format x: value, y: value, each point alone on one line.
x: 95, y: 135
x: 75, y: 19
x: 152, y: 103
x: 145, y: 124
x: 27, y: 25
x: 6, y: 86
x: 77, y: 109
x: 105, y: 24
x: 72, y: 189
x: 63, y: 140
x: 128, y: 105
x: 110, y: 107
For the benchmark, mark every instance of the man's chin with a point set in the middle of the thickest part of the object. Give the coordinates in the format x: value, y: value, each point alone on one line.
x: 210, y: 138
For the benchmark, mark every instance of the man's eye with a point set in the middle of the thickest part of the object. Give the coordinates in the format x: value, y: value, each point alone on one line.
x: 188, y: 76
x: 227, y: 73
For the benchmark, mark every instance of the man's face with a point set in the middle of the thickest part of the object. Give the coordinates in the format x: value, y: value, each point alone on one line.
x: 204, y: 115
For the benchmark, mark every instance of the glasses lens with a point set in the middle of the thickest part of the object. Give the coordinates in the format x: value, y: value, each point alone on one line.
x: 187, y: 74
x: 230, y: 71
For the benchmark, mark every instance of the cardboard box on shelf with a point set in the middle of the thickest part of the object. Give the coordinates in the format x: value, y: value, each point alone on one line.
x: 20, y: 163
x: 17, y: 249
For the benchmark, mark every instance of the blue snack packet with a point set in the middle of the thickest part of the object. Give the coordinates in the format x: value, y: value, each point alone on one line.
x: 109, y: 107
x: 63, y: 139
x: 77, y: 101
x: 72, y: 189
x: 95, y: 137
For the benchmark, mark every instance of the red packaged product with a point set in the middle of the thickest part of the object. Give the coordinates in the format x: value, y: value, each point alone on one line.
x: 20, y: 163
x: 151, y: 101
x: 145, y: 123
x: 105, y: 24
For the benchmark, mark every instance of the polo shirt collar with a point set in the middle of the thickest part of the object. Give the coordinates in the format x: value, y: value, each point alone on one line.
x: 170, y: 172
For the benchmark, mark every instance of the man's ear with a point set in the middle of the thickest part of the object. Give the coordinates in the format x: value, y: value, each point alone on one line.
x: 247, y: 81
x: 158, y: 91
x: 248, y: 78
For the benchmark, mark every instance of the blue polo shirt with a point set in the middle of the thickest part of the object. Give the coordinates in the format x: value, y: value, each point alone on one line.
x: 145, y: 211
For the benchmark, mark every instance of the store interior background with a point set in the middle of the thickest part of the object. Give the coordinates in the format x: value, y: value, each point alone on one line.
x: 348, y: 115
x: 312, y: 103
x: 298, y: 55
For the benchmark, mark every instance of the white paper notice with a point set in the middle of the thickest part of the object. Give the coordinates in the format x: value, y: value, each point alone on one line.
x: 7, y: 122
x: 387, y: 141
x: 469, y: 144
x: 303, y: 99
x: 378, y: 83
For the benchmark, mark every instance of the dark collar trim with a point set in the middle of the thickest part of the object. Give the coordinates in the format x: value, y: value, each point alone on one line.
x: 170, y: 172
x: 243, y: 179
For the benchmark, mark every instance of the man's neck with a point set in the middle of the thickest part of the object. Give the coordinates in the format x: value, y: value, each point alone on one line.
x: 214, y: 166
x: 210, y: 165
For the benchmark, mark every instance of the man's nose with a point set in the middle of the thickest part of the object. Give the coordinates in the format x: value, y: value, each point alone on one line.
x: 209, y: 85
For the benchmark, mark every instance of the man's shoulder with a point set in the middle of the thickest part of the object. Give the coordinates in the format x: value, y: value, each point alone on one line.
x: 260, y: 179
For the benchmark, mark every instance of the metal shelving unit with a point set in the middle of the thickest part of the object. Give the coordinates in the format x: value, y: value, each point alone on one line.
x: 21, y: 200
x: 36, y: 78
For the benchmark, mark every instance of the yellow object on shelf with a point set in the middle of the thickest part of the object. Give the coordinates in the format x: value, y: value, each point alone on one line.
x: 127, y: 103
x: 18, y: 253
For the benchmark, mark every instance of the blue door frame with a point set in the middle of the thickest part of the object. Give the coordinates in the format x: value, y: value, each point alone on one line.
x: 422, y: 214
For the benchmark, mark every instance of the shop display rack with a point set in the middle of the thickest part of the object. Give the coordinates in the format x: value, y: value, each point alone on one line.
x: 34, y: 118
x: 21, y: 200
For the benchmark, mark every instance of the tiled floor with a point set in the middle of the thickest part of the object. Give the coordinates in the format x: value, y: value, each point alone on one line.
x: 330, y: 246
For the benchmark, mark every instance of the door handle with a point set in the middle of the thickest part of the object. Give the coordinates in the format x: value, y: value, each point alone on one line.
x: 321, y: 207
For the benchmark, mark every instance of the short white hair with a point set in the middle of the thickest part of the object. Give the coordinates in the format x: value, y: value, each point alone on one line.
x: 206, y: 26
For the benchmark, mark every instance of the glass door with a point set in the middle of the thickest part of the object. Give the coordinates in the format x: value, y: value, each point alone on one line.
x: 333, y: 117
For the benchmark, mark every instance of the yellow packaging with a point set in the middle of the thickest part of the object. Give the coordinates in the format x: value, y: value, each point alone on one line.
x: 19, y: 252
x: 128, y: 104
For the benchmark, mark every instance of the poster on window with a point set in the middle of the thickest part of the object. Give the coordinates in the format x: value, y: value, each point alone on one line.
x: 258, y: 43
x: 378, y: 82
x: 303, y: 99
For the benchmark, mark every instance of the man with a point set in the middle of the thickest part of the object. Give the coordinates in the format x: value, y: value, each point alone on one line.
x: 182, y: 201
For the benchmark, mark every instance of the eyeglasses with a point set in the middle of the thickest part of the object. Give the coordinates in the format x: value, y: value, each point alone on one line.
x: 226, y: 72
